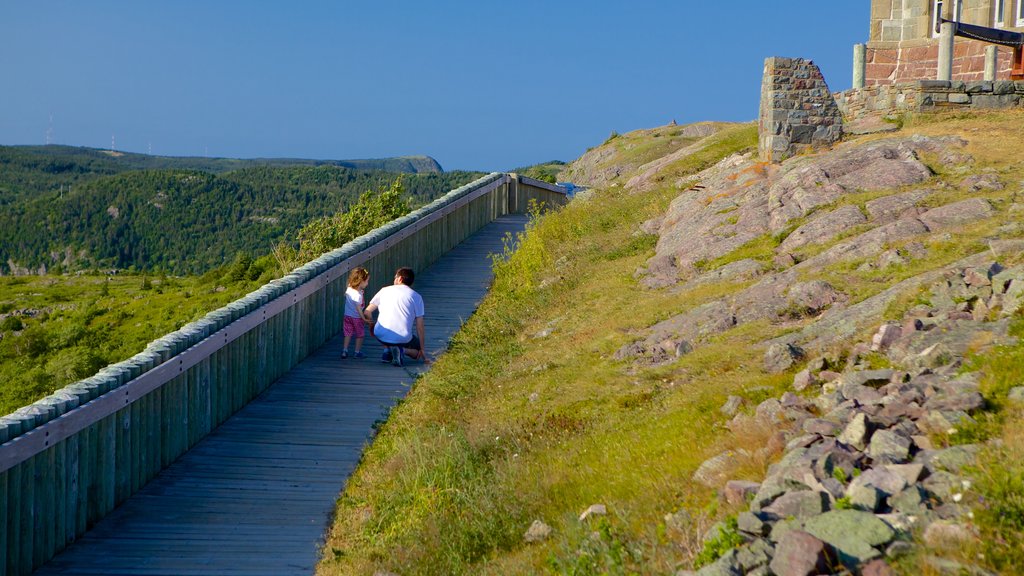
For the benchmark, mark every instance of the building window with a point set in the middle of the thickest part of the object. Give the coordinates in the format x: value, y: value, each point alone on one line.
x: 1020, y: 13
x: 999, y: 19
x: 957, y: 13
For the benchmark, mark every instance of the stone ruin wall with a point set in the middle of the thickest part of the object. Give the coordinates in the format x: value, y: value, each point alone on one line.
x: 926, y: 96
x: 798, y: 110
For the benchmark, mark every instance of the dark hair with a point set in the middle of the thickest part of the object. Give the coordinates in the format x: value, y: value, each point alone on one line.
x: 407, y: 276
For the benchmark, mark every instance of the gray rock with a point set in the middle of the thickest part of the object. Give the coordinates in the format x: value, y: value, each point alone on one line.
x: 537, y: 532
x: 864, y: 395
x: 886, y: 335
x: 755, y: 555
x: 865, y: 497
x: 593, y: 510
x: 732, y: 406
x: 1016, y: 395
x: 889, y: 447
x: 886, y: 481
x: 753, y: 523
x: 781, y: 356
x: 1001, y: 280
x: 901, y: 523
x: 952, y: 459
x: 942, y: 484
x: 803, y: 379
x: 739, y: 491
x: 810, y: 298
x: 1013, y: 298
x: 962, y: 402
x: 910, y: 473
x: 711, y: 472
x: 872, y: 378
x: 889, y: 208
x: 800, y: 504
x: 984, y: 181
x: 820, y: 427
x: 801, y: 554
x: 910, y: 501
x: 857, y: 432
x: 736, y: 271
x: 957, y: 213
x: 783, y: 527
x: 769, y: 411
x: 853, y: 533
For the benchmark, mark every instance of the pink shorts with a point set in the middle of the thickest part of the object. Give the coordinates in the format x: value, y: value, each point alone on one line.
x: 354, y: 327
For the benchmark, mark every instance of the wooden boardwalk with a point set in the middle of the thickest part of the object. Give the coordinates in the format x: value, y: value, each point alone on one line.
x: 255, y: 496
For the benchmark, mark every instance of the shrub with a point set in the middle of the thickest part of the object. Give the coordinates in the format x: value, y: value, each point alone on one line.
x: 11, y: 323
x: 728, y: 537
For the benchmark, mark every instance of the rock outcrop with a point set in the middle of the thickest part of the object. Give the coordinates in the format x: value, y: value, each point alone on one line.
x: 861, y: 474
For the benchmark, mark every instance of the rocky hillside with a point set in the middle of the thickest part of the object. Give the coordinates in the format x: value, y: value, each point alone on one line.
x: 707, y: 364
x: 637, y: 153
x: 914, y: 230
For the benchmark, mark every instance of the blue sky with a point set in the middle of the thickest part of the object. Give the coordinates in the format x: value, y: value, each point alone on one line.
x: 481, y: 84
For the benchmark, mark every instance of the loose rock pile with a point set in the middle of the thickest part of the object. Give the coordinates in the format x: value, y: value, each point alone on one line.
x: 860, y: 472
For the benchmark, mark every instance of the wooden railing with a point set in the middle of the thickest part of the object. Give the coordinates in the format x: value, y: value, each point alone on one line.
x: 70, y: 458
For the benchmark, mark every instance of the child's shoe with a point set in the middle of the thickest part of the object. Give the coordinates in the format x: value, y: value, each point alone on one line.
x: 396, y: 356
x: 344, y: 354
x: 359, y: 355
x: 386, y: 356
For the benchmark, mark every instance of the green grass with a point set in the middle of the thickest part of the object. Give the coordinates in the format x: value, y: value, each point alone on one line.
x: 68, y: 327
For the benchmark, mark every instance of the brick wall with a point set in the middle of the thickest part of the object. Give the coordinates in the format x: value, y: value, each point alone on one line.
x: 797, y: 109
x: 885, y: 66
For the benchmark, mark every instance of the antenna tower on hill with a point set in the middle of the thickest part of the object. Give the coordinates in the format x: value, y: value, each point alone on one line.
x: 49, y: 131
x: 112, y: 148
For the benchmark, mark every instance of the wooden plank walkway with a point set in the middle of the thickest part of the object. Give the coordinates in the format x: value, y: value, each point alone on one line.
x: 255, y: 496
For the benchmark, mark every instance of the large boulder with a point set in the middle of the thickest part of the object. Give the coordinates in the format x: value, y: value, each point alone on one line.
x: 853, y: 533
x: 823, y: 228
x: 889, y: 208
x: 957, y: 213
x: 801, y: 554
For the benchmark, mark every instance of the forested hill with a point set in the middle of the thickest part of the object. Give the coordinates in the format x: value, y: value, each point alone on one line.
x: 32, y: 170
x: 180, y: 221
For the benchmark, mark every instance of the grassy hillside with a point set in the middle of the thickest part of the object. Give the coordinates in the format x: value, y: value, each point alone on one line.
x: 56, y: 330
x: 534, y: 415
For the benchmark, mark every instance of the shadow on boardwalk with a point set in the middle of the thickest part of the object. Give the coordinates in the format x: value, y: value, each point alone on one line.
x: 254, y: 497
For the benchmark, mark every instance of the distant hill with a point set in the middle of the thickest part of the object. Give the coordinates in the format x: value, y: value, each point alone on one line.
x: 176, y: 220
x: 545, y: 171
x: 37, y: 169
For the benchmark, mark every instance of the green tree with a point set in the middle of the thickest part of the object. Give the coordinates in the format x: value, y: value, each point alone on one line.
x: 372, y: 210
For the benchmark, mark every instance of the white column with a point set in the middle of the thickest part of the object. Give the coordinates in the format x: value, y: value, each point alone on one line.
x: 946, y: 52
x: 991, y: 61
x: 859, y: 64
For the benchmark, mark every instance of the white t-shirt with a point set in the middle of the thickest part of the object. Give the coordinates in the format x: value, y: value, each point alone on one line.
x: 399, y: 307
x: 353, y: 302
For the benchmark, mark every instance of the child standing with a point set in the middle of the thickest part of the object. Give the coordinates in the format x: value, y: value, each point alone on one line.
x: 358, y: 278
